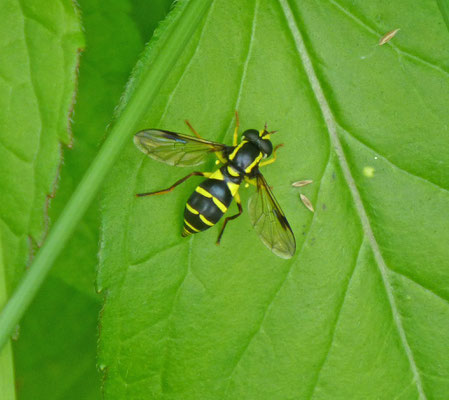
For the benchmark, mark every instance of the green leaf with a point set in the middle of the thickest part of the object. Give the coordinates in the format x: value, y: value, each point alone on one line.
x: 62, y: 363
x: 361, y: 310
x: 37, y: 85
x: 37, y: 82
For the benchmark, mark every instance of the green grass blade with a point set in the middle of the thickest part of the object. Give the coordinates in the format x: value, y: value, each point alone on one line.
x: 7, y: 388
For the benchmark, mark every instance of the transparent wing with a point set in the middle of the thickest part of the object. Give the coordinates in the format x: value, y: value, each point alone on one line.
x: 174, y: 148
x: 269, y: 221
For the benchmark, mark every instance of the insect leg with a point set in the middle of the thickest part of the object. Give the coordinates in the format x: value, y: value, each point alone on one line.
x: 273, y: 159
x: 195, y: 173
x: 250, y: 182
x: 236, y: 130
x: 193, y: 129
x: 239, y: 205
x: 220, y: 157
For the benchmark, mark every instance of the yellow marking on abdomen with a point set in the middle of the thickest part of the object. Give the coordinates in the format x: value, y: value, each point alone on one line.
x: 217, y: 202
x: 254, y: 163
x: 191, y: 227
x: 191, y: 209
x: 217, y: 175
x: 203, y: 192
x: 233, y: 187
x: 206, y: 221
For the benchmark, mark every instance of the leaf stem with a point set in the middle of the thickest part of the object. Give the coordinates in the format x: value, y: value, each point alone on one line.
x: 167, y: 50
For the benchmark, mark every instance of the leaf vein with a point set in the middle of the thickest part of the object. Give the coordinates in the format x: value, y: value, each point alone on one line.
x: 16, y: 154
x: 396, y: 48
x: 404, y: 390
x: 188, y: 66
x: 245, y: 64
x: 163, y: 373
x: 32, y: 81
x: 331, y: 126
x: 148, y: 257
x: 259, y: 326
x: 335, y: 323
x: 11, y: 227
x: 411, y: 174
x: 425, y: 288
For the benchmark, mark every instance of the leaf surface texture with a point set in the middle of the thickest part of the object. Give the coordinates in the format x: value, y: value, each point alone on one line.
x: 361, y: 310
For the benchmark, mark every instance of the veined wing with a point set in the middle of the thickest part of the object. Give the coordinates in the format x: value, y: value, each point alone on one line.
x: 269, y: 221
x: 175, y: 148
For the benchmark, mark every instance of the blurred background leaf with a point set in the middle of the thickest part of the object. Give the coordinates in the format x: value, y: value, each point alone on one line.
x: 361, y: 311
x: 36, y: 95
x: 56, y: 353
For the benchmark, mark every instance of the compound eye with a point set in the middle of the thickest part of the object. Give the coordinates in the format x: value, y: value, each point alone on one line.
x: 266, y: 147
x: 251, y: 134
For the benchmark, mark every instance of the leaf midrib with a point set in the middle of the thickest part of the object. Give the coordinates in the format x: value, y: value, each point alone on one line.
x: 331, y: 126
x: 421, y: 59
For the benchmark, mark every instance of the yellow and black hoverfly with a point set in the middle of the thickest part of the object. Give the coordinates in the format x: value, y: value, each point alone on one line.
x: 212, y: 198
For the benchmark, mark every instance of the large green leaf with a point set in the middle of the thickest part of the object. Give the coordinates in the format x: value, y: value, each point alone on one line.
x: 62, y: 363
x: 39, y: 47
x: 361, y: 310
x: 40, y: 52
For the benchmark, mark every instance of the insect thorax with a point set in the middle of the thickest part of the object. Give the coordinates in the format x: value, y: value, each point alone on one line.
x: 246, y: 158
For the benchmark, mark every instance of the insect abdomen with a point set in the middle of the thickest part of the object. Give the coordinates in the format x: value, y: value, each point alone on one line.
x: 206, y: 206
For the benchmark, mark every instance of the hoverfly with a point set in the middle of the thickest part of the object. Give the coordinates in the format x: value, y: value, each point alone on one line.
x: 212, y: 198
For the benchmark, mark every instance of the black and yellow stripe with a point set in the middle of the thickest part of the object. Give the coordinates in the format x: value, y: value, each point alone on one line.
x: 207, y: 204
